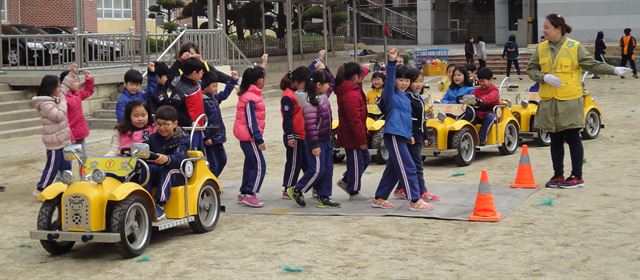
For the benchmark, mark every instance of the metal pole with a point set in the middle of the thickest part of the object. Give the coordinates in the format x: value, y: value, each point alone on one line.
x: 211, y: 17
x: 330, y: 11
x: 300, y: 10
x: 384, y: 27
x: 355, y: 31
x: 143, y: 31
x: 264, y: 36
x: 288, y: 10
x: 78, y: 15
x: 223, y: 21
x: 325, y: 32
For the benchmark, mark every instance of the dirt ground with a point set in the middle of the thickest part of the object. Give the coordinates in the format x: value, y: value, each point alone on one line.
x: 588, y: 233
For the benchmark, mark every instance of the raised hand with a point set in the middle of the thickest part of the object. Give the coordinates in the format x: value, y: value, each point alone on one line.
x: 393, y: 54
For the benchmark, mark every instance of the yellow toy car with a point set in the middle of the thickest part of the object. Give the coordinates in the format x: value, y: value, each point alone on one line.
x: 115, y: 209
x: 375, y: 125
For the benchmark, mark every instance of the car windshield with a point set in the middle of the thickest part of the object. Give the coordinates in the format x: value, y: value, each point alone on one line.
x: 29, y: 29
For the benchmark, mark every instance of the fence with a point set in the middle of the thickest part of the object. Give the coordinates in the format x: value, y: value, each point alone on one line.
x: 277, y: 47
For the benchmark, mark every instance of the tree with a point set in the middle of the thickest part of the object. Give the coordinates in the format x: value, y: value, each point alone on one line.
x: 167, y: 8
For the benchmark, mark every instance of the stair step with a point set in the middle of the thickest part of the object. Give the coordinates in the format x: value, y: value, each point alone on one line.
x: 104, y: 114
x: 15, y: 105
x: 18, y: 115
x: 13, y: 95
x: 18, y: 124
x: 101, y: 123
x: 21, y: 132
x: 109, y: 105
x: 5, y: 87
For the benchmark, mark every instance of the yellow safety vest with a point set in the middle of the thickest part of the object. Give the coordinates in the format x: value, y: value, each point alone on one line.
x: 565, y: 67
x: 206, y: 67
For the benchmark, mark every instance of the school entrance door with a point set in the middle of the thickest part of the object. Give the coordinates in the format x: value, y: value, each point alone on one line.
x: 472, y: 18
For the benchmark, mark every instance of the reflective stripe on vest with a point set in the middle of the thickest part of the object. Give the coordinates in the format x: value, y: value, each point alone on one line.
x: 566, y: 67
x: 206, y: 68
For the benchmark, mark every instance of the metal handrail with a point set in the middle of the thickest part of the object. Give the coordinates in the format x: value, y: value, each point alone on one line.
x: 392, y: 12
x: 235, y: 47
x: 167, y: 49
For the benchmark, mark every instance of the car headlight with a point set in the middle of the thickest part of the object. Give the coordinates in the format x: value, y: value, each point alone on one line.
x: 33, y: 45
x: 66, y: 177
x: 441, y: 116
x: 524, y: 103
x: 98, y: 176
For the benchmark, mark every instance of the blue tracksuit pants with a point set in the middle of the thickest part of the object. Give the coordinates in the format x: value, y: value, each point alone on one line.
x: 319, y: 172
x: 296, y: 161
x: 400, y: 167
x: 357, y: 162
x: 163, y: 179
x: 416, y: 155
x: 55, y: 164
x: 217, y: 158
x: 255, y: 168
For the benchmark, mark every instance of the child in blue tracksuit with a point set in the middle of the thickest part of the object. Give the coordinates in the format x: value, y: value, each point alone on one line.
x: 215, y: 135
x: 170, y: 144
x: 397, y: 134
x: 132, y: 84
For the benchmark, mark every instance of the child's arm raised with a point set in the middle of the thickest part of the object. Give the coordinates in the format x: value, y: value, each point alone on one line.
x: 390, y: 79
x: 223, y: 95
x: 88, y: 85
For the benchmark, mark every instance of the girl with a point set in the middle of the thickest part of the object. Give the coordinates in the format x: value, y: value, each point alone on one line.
x: 316, y: 111
x: 293, y: 126
x: 135, y: 128
x: 460, y: 86
x: 511, y: 53
x: 248, y: 129
x: 468, y: 50
x: 446, y: 80
x: 377, y: 83
x: 397, y: 133
x: 481, y: 50
x: 70, y: 87
x: 599, y: 52
x: 52, y: 105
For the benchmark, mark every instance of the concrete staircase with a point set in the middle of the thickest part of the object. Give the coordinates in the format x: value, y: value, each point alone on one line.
x: 105, y: 118
x: 496, y: 63
x: 17, y: 116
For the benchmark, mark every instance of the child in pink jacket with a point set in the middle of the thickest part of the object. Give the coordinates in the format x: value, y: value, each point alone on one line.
x: 70, y: 87
x: 52, y: 105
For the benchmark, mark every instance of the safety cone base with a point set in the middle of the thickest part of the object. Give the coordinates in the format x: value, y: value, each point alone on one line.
x: 493, y: 218
x: 524, y: 186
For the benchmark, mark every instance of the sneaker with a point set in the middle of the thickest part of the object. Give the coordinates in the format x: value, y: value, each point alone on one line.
x: 297, y: 197
x: 358, y: 197
x: 554, y: 181
x: 314, y: 193
x: 635, y: 76
x: 285, y: 195
x: 36, y: 193
x: 159, y: 212
x: 429, y: 196
x: 420, y: 206
x: 240, y: 198
x: 343, y: 185
x: 572, y: 182
x: 381, y: 203
x: 400, y: 193
x: 519, y: 78
x: 252, y: 200
x: 327, y: 203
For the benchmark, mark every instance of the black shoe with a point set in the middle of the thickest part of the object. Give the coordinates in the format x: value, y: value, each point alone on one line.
x: 297, y: 197
x: 327, y: 203
x: 595, y: 77
x: 482, y: 143
x: 635, y: 76
x: 622, y: 77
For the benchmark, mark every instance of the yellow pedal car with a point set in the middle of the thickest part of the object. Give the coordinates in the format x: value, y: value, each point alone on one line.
x: 108, y: 206
x: 375, y: 125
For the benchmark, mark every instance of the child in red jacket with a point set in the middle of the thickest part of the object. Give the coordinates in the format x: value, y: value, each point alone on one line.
x: 70, y: 87
x: 486, y: 97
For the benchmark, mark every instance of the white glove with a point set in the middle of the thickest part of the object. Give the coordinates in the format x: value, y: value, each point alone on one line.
x: 552, y: 80
x: 621, y: 71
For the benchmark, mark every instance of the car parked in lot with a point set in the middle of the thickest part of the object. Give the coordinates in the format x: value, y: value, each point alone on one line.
x: 99, y: 49
x: 30, y: 51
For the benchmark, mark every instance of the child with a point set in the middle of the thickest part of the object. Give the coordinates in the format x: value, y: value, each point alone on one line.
x: 189, y: 92
x: 216, y: 134
x: 444, y: 84
x: 397, y: 133
x: 472, y: 73
x: 248, y: 129
x: 318, y: 147
x: 419, y: 125
x: 511, y: 53
x: 293, y: 126
x: 70, y: 87
x: 136, y: 128
x: 377, y: 82
x: 132, y: 83
x: 161, y: 96
x: 460, y: 87
x: 170, y: 144
x: 352, y: 130
x: 486, y: 97
x: 52, y: 106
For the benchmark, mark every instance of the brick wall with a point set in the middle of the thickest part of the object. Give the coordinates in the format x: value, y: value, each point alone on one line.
x: 89, y: 16
x: 42, y: 13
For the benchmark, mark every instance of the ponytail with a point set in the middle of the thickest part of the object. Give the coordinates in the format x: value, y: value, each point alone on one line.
x: 250, y: 76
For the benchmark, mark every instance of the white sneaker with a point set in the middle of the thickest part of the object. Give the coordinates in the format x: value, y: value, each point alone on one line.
x: 36, y: 193
x: 358, y: 197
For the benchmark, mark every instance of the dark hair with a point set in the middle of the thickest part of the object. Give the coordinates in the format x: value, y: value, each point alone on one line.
x: 300, y: 74
x: 48, y: 85
x: 469, y: 39
x: 600, y: 35
x: 480, y: 39
x: 346, y: 71
x: 450, y: 66
x: 405, y: 72
x: 471, y: 67
x: 556, y: 21
x: 627, y: 31
x: 186, y: 47
x: 192, y: 65
x: 485, y: 73
x: 413, y: 73
x: 380, y: 75
x: 64, y: 75
x: 466, y: 82
x: 317, y: 76
x: 208, y: 78
x: 133, y: 76
x: 250, y: 76
x: 167, y: 113
x: 512, y: 38
x: 125, y: 125
x: 161, y: 69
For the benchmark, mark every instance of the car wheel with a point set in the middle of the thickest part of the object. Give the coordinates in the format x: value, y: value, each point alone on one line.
x: 13, y: 56
x: 50, y: 218
x: 208, y: 209
x: 510, y: 144
x: 592, y: 125
x: 463, y: 142
x: 543, y: 139
x: 130, y: 218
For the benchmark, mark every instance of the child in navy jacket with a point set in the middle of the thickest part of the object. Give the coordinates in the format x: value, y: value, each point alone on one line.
x: 215, y: 135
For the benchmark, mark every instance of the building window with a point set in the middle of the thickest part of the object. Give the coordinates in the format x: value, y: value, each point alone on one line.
x: 515, y: 13
x: 114, y: 9
x: 3, y: 9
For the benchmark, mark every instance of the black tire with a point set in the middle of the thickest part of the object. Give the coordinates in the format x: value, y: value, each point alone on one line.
x: 382, y: 155
x: 543, y: 139
x: 15, y: 56
x: 463, y: 142
x: 511, y: 137
x: 50, y: 218
x: 592, y: 125
x: 208, y: 209
x: 135, y: 237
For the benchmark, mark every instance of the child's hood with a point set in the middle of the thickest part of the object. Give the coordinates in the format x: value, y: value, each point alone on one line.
x: 346, y: 87
x: 38, y: 101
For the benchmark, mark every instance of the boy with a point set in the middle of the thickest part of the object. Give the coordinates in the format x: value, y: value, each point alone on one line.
x: 170, y: 144
x: 486, y: 96
x: 189, y: 92
x: 215, y: 135
x: 473, y: 74
x: 161, y: 96
x: 132, y: 84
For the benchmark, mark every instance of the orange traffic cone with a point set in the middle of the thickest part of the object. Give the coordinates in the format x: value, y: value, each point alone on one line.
x: 524, y: 178
x: 485, y: 209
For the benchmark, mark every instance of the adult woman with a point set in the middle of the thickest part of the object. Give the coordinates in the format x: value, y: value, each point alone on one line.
x: 599, y: 50
x: 468, y: 50
x: 557, y: 65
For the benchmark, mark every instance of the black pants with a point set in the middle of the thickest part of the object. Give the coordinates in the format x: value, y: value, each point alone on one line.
x: 483, y: 63
x: 515, y: 62
x: 469, y: 58
x: 624, y: 60
x: 571, y: 137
